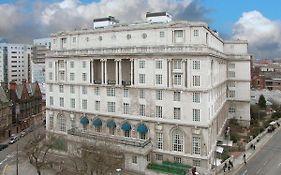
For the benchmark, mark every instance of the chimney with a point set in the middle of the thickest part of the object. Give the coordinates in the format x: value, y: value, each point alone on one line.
x: 13, y: 86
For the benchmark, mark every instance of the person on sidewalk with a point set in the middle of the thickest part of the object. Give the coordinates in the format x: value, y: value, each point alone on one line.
x: 244, y: 158
x: 224, y: 167
x: 229, y: 168
x: 230, y: 163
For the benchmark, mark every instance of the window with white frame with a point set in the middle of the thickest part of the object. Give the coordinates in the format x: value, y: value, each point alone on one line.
x: 61, y: 89
x: 51, y: 101
x: 158, y: 112
x: 126, y: 92
x: 159, y: 140
x: 74, y: 39
x: 231, y: 84
x: 71, y: 64
x: 84, y: 76
x: 97, y: 105
x: 196, y: 97
x: 72, y: 89
x: 177, y: 159
x: 177, y: 113
x: 159, y: 157
x: 84, y: 64
x: 177, y: 96
x: 196, y: 80
x: 141, y: 64
x: 50, y: 64
x: 196, y: 162
x: 158, y: 64
x: 111, y: 106
x: 142, y: 78
x: 231, y: 94
x: 51, y: 122
x: 61, y: 64
x: 196, y: 115
x: 61, y: 102
x: 196, y: 145
x: 196, y: 32
x: 97, y: 90
x: 179, y: 33
x: 141, y: 93
x: 162, y: 34
x: 177, y: 64
x: 158, y: 79
x: 61, y: 75
x: 72, y: 76
x: 110, y: 91
x: 84, y: 104
x: 159, y: 95
x: 231, y: 65
x: 50, y: 88
x: 126, y: 108
x: 72, y: 103
x: 196, y: 64
x: 232, y: 110
x: 50, y: 75
x: 135, y: 159
x: 231, y: 74
x: 61, y: 122
x: 177, y: 79
x: 84, y: 90
x: 142, y: 109
x: 177, y: 141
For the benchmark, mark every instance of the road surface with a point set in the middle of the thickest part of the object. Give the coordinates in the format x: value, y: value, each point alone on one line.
x: 267, y: 160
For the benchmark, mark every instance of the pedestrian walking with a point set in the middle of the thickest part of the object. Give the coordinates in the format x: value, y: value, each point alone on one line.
x: 229, y: 168
x: 254, y: 147
x: 230, y: 163
x: 224, y: 167
x: 244, y: 158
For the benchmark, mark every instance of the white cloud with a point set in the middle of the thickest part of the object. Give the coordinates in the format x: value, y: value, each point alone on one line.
x: 263, y: 34
x: 10, y: 18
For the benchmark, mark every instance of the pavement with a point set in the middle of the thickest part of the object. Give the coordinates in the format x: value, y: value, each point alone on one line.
x: 264, y: 159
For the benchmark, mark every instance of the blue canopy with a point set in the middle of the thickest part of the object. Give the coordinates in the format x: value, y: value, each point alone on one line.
x: 111, y: 124
x: 126, y: 126
x: 97, y: 122
x: 84, y: 120
x: 142, y: 128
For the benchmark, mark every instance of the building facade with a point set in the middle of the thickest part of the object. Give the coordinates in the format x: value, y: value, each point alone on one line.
x: 5, y: 113
x: 161, y: 91
x: 15, y: 62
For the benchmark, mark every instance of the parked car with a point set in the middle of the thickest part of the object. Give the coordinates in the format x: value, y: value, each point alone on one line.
x: 3, y: 146
x: 23, y: 133
x: 13, y: 140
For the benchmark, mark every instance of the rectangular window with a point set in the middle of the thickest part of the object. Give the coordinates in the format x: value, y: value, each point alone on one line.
x: 196, y: 115
x: 50, y: 75
x: 158, y: 112
x: 196, y: 65
x: 61, y: 102
x: 61, y: 89
x: 126, y: 92
x: 196, y: 145
x: 97, y: 105
x: 97, y: 90
x: 177, y: 79
x: 231, y: 65
x: 74, y: 39
x: 196, y: 97
x: 232, y: 110
x: 141, y: 64
x: 159, y: 95
x: 159, y: 79
x: 51, y: 122
x: 231, y: 94
x: 162, y: 34
x: 142, y: 93
x: 50, y: 88
x: 84, y: 76
x: 158, y: 64
x: 177, y: 64
x: 84, y: 104
x: 61, y: 75
x: 196, y: 32
x: 51, y: 101
x: 61, y: 64
x: 196, y: 80
x: 111, y: 106
x: 159, y: 140
x: 196, y: 162
x: 110, y: 91
x: 72, y: 103
x: 84, y: 90
x: 126, y: 108
x: 159, y: 157
x: 50, y: 64
x: 177, y: 113
x: 179, y: 33
x: 177, y: 96
x: 142, y: 110
x: 231, y: 74
x: 72, y: 89
x: 84, y: 64
x: 134, y: 159
x: 142, y: 78
x: 71, y: 64
x: 72, y: 76
x: 177, y: 159
x: 231, y: 84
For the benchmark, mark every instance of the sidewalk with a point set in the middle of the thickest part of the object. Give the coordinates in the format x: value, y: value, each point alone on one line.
x: 239, y: 162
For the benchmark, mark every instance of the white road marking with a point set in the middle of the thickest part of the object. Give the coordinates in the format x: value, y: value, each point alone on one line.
x: 3, y: 161
x: 245, y: 172
x: 258, y: 172
x: 265, y: 162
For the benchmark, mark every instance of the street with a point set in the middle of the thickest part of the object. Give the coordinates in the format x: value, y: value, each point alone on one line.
x: 267, y: 160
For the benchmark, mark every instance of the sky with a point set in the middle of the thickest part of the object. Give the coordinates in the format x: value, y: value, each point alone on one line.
x: 258, y: 21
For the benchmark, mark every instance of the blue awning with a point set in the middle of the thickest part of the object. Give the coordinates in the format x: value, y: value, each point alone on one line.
x: 126, y: 126
x: 84, y: 120
x: 97, y: 122
x: 111, y: 124
x: 142, y: 129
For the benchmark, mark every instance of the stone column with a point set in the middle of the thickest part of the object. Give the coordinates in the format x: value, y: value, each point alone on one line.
x: 120, y: 72
x: 105, y: 71
x: 116, y: 71
x: 132, y: 71
x: 170, y: 73
x: 102, y: 79
x: 183, y: 72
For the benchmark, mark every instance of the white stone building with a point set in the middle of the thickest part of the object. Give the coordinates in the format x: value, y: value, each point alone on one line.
x: 160, y: 90
x: 15, y: 62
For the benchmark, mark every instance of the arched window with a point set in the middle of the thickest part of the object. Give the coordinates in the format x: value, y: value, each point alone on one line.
x: 177, y: 140
x: 61, y: 122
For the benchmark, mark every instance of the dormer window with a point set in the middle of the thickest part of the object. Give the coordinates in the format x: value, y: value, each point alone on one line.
x: 144, y: 35
x: 100, y: 38
x: 129, y: 36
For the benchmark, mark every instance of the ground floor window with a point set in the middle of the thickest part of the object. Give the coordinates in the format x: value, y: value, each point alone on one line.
x: 178, y: 159
x: 98, y: 129
x: 134, y: 159
x: 196, y: 162
x: 112, y: 131
x: 127, y: 133
x: 142, y: 136
x: 159, y: 157
x: 148, y: 157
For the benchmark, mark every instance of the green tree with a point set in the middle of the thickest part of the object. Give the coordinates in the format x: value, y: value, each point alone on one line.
x: 262, y: 102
